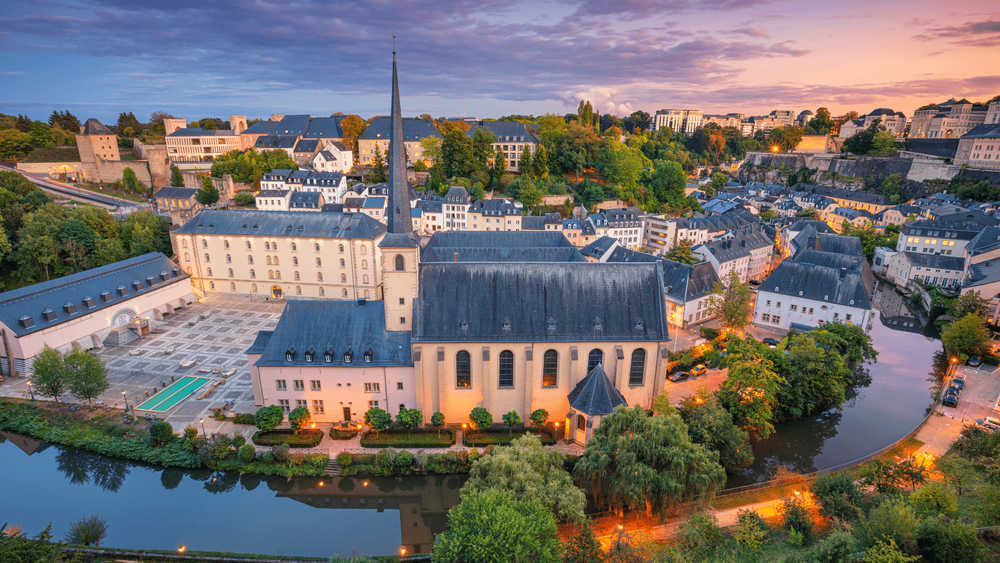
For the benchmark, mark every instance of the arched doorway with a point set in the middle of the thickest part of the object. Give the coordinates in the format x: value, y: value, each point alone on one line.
x: 276, y: 292
x: 123, y: 317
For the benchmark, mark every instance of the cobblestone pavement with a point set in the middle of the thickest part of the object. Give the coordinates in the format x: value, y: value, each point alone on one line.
x: 213, y: 332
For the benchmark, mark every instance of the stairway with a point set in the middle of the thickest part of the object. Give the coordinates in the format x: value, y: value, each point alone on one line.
x: 332, y: 469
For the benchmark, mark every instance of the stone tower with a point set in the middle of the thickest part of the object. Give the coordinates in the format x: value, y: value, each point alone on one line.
x: 238, y: 123
x: 401, y: 245
x: 95, y: 143
x: 172, y: 124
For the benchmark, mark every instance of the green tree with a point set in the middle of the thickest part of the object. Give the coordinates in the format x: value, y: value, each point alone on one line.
x: 268, y: 418
x: 887, y: 552
x: 107, y: 251
x: 667, y: 183
x: 883, y: 143
x: 969, y: 302
x: 156, y: 125
x: 176, y: 178
x: 480, y: 419
x: 477, y: 192
x: 750, y: 390
x: 732, y: 303
x: 711, y: 425
x: 498, y: 169
x: 682, y: 253
x: 493, y: 527
x: 529, y: 194
x: 541, y: 162
x: 943, y: 540
x: 377, y: 419
x: 821, y: 123
x: 967, y: 335
x: 525, y: 167
x: 583, y: 546
x: 835, y: 548
x: 437, y: 419
x: 635, y: 461
x: 38, y: 244
x: 883, y: 476
x: 86, y: 375
x: 378, y: 173
x: 41, y: 134
x: 892, y: 520
x: 838, y: 496
x: 935, y: 498
x: 862, y: 141
x: 751, y: 531
x: 410, y: 419
x: 128, y: 125
x: 539, y: 417
x: 144, y: 232
x: 299, y: 418
x: 529, y: 472
x: 129, y: 181
x: 208, y: 194
x: 809, y: 212
x: 50, y: 373
x: 719, y: 181
x: 14, y: 145
x: 245, y: 198
x: 511, y: 419
x: 621, y: 166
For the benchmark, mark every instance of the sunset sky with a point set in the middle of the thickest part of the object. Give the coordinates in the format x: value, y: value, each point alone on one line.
x: 212, y: 58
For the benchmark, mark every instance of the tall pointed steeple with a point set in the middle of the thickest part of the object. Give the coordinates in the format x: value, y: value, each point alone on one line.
x: 399, y: 219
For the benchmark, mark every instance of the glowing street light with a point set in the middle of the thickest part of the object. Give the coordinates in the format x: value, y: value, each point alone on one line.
x: 31, y: 390
x: 402, y: 551
x: 125, y: 398
x: 774, y: 148
x: 203, y: 428
x: 181, y: 549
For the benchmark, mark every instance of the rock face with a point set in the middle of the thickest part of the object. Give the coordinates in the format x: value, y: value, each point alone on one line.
x: 836, y: 171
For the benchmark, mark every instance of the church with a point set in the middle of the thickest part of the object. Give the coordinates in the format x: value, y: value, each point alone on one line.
x: 501, y: 320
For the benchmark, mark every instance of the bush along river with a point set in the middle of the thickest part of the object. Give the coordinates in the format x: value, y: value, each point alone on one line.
x: 149, y: 507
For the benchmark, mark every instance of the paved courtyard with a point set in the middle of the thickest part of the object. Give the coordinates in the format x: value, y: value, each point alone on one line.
x: 218, y: 340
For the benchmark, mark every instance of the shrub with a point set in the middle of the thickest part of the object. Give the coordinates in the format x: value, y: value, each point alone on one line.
x: 299, y: 419
x: 942, y: 540
x: 247, y: 452
x: 344, y: 459
x: 700, y: 533
x: 216, y: 448
x: 377, y: 419
x: 338, y: 434
x: 511, y: 419
x: 161, y: 432
x: 893, y: 520
x: 244, y: 198
x: 420, y: 460
x: 751, y: 532
x: 296, y: 458
x: 268, y: 457
x: 88, y: 531
x: 239, y: 440
x: 280, y: 452
x: 244, y: 418
x: 835, y: 548
x: 419, y: 166
x: 404, y: 460
x: 480, y: 418
x: 385, y: 460
x: 539, y: 417
x: 308, y: 438
x: 268, y: 418
x: 437, y: 419
x: 935, y: 498
x: 796, y: 518
x: 838, y: 496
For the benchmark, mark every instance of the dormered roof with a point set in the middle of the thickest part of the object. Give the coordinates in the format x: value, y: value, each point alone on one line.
x: 497, y: 239
x: 984, y: 131
x: 681, y: 282
x: 507, y: 254
x: 985, y: 241
x: 78, y: 295
x: 413, y: 129
x: 283, y: 223
x: 818, y: 283
x: 506, y: 131
x: 306, y: 145
x: 305, y: 199
x: 176, y: 192
x: 551, y: 302
x: 495, y: 208
x: 595, y: 394
x: 924, y: 260
x: 599, y: 247
x: 336, y: 326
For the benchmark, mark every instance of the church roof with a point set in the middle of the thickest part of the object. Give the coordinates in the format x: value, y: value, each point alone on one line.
x: 504, y: 254
x: 551, y: 302
x: 399, y: 222
x: 283, y: 223
x: 595, y: 395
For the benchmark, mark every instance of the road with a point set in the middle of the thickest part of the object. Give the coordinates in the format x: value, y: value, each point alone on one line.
x: 60, y: 188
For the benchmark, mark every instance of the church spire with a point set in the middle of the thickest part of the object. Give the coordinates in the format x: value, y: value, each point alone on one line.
x: 399, y: 220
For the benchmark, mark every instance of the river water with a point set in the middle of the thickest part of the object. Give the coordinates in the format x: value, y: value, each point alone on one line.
x: 153, y: 508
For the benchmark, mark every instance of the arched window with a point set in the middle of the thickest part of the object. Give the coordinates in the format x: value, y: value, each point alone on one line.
x: 229, y: 259
x: 209, y: 272
x: 294, y: 248
x: 364, y: 264
x: 227, y: 244
x: 270, y: 274
x: 295, y: 260
x: 343, y: 279
x: 364, y: 279
x: 319, y: 276
x: 268, y: 259
x: 187, y: 257
x: 211, y: 285
x: 296, y: 276
x: 341, y: 262
x: 366, y: 293
x: 204, y: 243
x: 230, y: 272
x: 253, y: 274
x: 298, y: 290
x: 253, y: 287
x: 322, y: 292
x: 400, y: 263
x: 249, y: 259
x: 316, y: 246
x: 189, y: 270
x: 267, y: 246
x: 319, y: 262
x: 638, y: 370
x: 277, y: 274
x: 184, y: 243
x: 506, y: 378
x: 345, y: 292
x: 581, y: 422
x: 364, y: 249
x: 232, y: 286
x: 550, y: 369
x: 463, y: 369
x: 249, y: 247
x: 275, y: 259
x: 341, y: 248
x: 596, y: 357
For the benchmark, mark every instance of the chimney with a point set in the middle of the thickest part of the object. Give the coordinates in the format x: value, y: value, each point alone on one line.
x: 843, y: 273
x: 455, y: 257
x: 361, y: 301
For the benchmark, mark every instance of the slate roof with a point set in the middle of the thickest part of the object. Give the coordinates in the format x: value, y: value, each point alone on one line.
x: 498, y: 239
x: 984, y: 273
x: 260, y: 343
x: 551, y: 302
x: 816, y: 224
x: 861, y: 197
x: 273, y: 193
x: 95, y: 127
x: 494, y: 208
x: 354, y: 202
x: 283, y: 223
x: 595, y: 394
x: 65, y: 298
x: 276, y: 141
x: 261, y: 128
x: 852, y: 214
x: 944, y: 262
x: 818, y: 283
x: 199, y: 132
x: 324, y: 127
x: 506, y: 131
x: 682, y: 282
x: 714, y: 224
x: 305, y: 199
x: 508, y: 254
x: 532, y: 223
x: 374, y: 203
x: 985, y: 241
x: 457, y: 194
x: 724, y: 250
x: 306, y: 145
x: 333, y: 207
x: 809, y: 239
x: 976, y: 216
x: 984, y: 131
x: 960, y: 230
x: 413, y: 129
x: 337, y: 326
x: 599, y: 247
x: 176, y: 191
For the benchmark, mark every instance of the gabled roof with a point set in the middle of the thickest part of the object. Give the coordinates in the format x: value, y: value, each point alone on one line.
x: 551, y: 302
x: 324, y: 127
x: 943, y: 261
x: 506, y: 131
x: 495, y: 208
x: 95, y: 127
x: 985, y: 241
x: 413, y: 129
x: 260, y: 343
x: 261, y: 128
x: 498, y: 239
x: 338, y: 326
x: 306, y: 145
x: 508, y: 254
x: 599, y: 247
x: 595, y: 394
x: 176, y: 191
x: 984, y: 131
x: 66, y: 298
x: 276, y: 141
x: 818, y: 283
x: 681, y: 282
x: 533, y: 223
x: 283, y: 223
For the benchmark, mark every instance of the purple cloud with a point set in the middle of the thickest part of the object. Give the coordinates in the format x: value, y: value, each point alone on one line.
x: 970, y: 34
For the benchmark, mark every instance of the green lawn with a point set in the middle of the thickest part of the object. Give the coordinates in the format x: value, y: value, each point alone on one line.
x: 65, y: 154
x: 104, y: 190
x: 403, y: 439
x: 500, y: 437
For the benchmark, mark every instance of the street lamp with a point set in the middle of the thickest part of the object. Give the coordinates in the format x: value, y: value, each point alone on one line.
x: 203, y: 428
x: 125, y: 398
x: 402, y: 552
x: 31, y: 390
x: 181, y: 549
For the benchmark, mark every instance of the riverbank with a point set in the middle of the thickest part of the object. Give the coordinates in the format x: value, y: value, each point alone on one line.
x: 113, y: 433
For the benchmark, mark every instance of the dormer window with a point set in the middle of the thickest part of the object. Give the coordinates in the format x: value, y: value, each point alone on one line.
x: 369, y: 356
x: 70, y: 307
x: 136, y: 285
x: 26, y: 321
x: 122, y: 290
x: 150, y: 280
x: 328, y: 356
x: 638, y: 324
x: 164, y: 276
x: 106, y: 296
x: 310, y: 354
x: 552, y: 323
x: 348, y: 356
x: 290, y: 354
x: 506, y: 324
x: 465, y: 325
x: 48, y: 314
x: 88, y: 301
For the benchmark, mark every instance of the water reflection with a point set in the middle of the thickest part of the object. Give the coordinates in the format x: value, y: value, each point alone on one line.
x: 82, y: 467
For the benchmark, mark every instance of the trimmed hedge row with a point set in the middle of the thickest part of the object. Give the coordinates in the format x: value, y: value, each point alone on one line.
x: 403, y: 439
x: 338, y: 434
x: 503, y: 437
x: 309, y: 438
x: 244, y: 418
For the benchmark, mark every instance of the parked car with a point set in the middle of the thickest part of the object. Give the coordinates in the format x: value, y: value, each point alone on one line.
x: 950, y: 400
x: 772, y: 343
x: 958, y: 382
x: 975, y: 361
x: 699, y: 369
x: 953, y: 390
x: 987, y: 425
x: 678, y: 377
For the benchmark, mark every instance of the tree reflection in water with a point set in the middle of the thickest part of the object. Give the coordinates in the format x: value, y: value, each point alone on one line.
x: 82, y: 467
x: 171, y: 478
x: 795, y: 447
x: 222, y: 482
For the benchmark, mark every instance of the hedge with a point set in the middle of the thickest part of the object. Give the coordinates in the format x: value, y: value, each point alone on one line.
x: 338, y: 434
x: 243, y: 418
x: 309, y: 438
x: 503, y: 437
x: 403, y: 439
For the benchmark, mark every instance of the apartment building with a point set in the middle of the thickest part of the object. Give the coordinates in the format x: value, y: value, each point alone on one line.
x: 377, y: 135
x: 494, y: 215
x: 512, y: 137
x: 193, y: 144
x: 927, y: 236
x: 685, y: 121
x: 893, y: 121
x: 333, y: 185
x: 662, y: 233
x: 947, y: 120
x: 980, y: 147
x: 285, y: 131
x: 335, y: 157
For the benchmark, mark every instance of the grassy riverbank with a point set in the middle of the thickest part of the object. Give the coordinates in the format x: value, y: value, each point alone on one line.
x: 114, y: 435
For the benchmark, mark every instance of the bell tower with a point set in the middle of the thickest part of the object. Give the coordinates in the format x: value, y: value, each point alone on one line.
x: 401, y: 245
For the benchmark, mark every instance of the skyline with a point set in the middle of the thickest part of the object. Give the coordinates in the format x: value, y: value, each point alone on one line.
x: 101, y: 57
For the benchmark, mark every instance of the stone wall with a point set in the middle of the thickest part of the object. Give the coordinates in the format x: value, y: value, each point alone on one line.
x: 111, y: 170
x: 159, y: 162
x: 556, y: 199
x: 226, y: 186
x: 991, y: 176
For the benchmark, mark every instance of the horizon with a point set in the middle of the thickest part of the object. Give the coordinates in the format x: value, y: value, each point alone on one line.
x: 487, y: 60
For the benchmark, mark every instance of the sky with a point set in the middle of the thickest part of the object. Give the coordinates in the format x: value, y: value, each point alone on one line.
x: 488, y: 58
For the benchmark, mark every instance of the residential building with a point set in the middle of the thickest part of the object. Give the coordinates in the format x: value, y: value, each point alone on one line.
x: 937, y: 237
x: 324, y: 255
x: 661, y: 234
x: 728, y: 120
x: 725, y: 257
x: 871, y: 202
x: 624, y: 224
x: 984, y: 279
x: 377, y: 134
x: 335, y: 157
x: 758, y: 240
x: 305, y: 150
x: 685, y: 121
x: 791, y: 231
x: 193, y: 144
x: 494, y: 215
x: 102, y: 307
x: 273, y: 200
x: 893, y: 121
x: 180, y: 202
x: 333, y: 185
x: 947, y: 120
x: 285, y: 131
x: 980, y: 148
x: 512, y: 137
x: 934, y: 269
x: 859, y: 218
x: 306, y: 201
